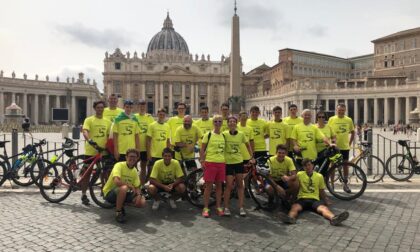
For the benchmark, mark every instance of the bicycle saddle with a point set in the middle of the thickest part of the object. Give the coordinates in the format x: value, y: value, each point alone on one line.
x: 403, y: 142
x: 3, y: 143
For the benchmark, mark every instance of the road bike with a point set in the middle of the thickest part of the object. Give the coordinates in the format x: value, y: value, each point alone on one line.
x: 401, y: 167
x: 372, y: 165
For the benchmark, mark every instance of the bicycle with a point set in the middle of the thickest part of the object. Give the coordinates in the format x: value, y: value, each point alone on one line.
x: 372, y: 165
x: 59, y: 180
x: 20, y: 170
x: 332, y: 164
x: 405, y: 164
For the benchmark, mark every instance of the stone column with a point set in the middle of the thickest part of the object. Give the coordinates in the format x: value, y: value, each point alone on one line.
x: 335, y: 104
x: 170, y: 107
x: 161, y: 96
x: 386, y: 111
x: 2, y: 107
x: 57, y: 101
x: 222, y: 95
x: 407, y: 110
x: 375, y: 111
x: 192, y: 100
x: 157, y: 106
x: 300, y: 108
x: 356, y: 112
x: 327, y: 103
x: 365, y: 110
x: 47, y: 109
x: 143, y: 91
x: 25, y: 104
x: 182, y: 92
x: 13, y: 97
x: 129, y: 91
x: 35, y: 107
x: 89, y: 106
x: 397, y: 110
x: 346, y: 102
x: 209, y: 103
x: 73, y: 110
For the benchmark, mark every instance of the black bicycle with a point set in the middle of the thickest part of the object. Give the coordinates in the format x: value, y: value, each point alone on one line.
x: 401, y: 167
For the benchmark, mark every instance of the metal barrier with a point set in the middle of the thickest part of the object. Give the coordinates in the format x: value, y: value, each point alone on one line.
x: 20, y: 140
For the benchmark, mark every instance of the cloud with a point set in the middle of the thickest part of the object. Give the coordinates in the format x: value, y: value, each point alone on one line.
x: 108, y: 38
x: 90, y: 72
x: 317, y: 31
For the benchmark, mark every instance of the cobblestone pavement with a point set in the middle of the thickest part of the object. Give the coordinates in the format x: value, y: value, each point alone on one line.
x: 379, y: 221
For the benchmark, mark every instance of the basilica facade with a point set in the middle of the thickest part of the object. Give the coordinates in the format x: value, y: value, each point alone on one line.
x: 168, y: 74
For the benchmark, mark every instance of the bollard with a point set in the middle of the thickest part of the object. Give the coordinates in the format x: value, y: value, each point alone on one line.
x: 65, y: 130
x: 369, y: 139
x: 75, y: 132
x: 418, y: 135
x: 14, y: 145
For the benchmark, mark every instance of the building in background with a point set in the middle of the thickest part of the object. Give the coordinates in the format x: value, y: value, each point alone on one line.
x: 379, y: 88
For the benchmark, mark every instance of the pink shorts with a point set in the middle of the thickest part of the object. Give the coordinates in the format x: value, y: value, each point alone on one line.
x: 214, y: 172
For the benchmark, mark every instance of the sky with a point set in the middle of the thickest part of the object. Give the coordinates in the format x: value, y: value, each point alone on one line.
x: 62, y: 38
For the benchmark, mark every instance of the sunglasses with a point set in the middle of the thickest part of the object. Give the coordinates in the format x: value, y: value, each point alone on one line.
x: 128, y: 102
x: 217, y: 121
x: 321, y: 116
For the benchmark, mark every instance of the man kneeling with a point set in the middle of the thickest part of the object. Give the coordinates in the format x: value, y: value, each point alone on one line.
x: 123, y: 185
x: 166, y: 176
x: 311, y: 187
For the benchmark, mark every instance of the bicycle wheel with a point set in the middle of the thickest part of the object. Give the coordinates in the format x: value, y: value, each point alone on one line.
x: 96, y: 184
x: 375, y: 172
x: 3, y: 172
x: 22, y: 175
x: 399, y: 167
x: 37, y: 168
x: 75, y: 166
x: 52, y: 185
x: 257, y: 187
x: 195, y: 189
x: 346, y: 188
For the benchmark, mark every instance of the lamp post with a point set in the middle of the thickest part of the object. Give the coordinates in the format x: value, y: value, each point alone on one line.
x: 317, y: 107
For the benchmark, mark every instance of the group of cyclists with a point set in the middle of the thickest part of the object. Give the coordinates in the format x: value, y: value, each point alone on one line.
x: 227, y: 144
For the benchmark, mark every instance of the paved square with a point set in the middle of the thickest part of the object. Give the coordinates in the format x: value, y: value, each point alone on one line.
x: 378, y: 221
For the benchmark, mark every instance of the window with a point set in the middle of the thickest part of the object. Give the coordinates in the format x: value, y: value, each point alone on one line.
x: 165, y: 68
x: 188, y: 68
x: 117, y: 65
x: 385, y: 63
x: 136, y: 67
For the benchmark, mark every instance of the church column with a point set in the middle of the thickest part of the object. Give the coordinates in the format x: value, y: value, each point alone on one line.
x: 13, y: 97
x: 129, y: 91
x: 36, y: 112
x: 182, y: 92
x: 73, y: 110
x: 365, y: 110
x: 57, y: 101
x: 89, y: 106
x: 346, y: 102
x: 157, y: 106
x: 2, y: 107
x: 25, y: 104
x: 407, y: 110
x: 356, y: 112
x: 209, y: 103
x: 170, y: 107
x: 397, y: 110
x: 143, y: 91
x: 327, y: 105
x: 386, y: 111
x: 161, y: 96
x: 192, y: 100
x: 47, y: 109
x: 375, y: 111
x: 197, y: 101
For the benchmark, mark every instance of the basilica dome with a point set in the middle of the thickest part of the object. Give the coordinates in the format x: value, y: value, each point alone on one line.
x: 168, y: 39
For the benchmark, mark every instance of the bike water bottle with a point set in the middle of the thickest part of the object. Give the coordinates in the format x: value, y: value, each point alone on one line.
x: 53, y: 159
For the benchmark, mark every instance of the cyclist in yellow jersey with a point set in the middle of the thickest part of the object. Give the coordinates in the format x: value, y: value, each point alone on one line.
x: 343, y: 126
x: 305, y: 135
x: 292, y: 120
x: 278, y: 131
x: 166, y: 176
x: 145, y: 120
x: 186, y: 137
x: 234, y: 164
x: 212, y: 159
x: 96, y: 132
x: 158, y: 138
x: 259, y: 126
x: 125, y: 131
x: 325, y: 129
x: 282, y: 174
x: 312, y: 196
x: 205, y: 124
x: 249, y: 133
x: 112, y: 110
x: 123, y: 185
x: 224, y: 111
x: 176, y: 121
